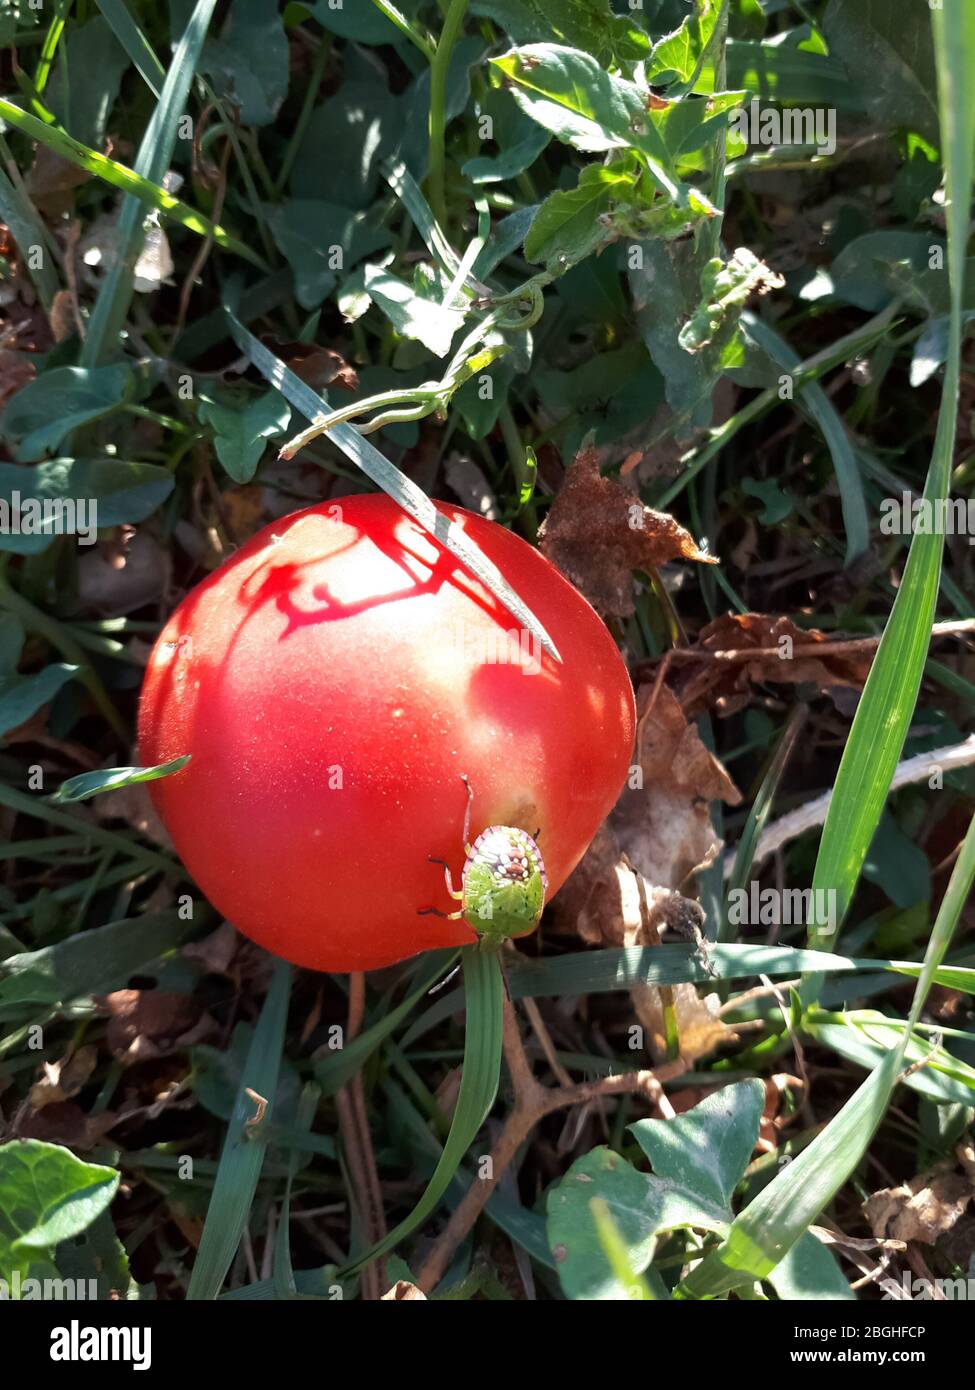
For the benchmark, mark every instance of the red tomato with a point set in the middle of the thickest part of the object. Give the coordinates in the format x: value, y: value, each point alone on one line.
x: 333, y: 682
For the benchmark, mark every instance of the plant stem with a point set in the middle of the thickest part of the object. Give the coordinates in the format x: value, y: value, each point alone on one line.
x: 404, y: 26
x: 439, y: 67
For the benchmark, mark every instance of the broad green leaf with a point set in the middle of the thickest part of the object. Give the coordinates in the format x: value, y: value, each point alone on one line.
x: 243, y: 427
x: 90, y: 962
x: 27, y: 230
x: 874, y: 269
x: 810, y: 1272
x: 47, y: 1195
x: 887, y: 50
x: 697, y: 1159
x: 110, y: 779
x: 77, y: 496
x: 517, y: 139
x: 865, y: 1037
x: 47, y: 409
x: 83, y: 105
x: 249, y: 62
x: 320, y: 240
x: 96, y: 1254
x: 571, y: 224
x: 708, y: 1147
x: 589, y: 25
x: 22, y: 696
x: 783, y: 73
x: 687, y: 57
x: 411, y: 314
x: 362, y: 23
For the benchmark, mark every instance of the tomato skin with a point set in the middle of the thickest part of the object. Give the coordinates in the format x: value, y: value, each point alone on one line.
x: 333, y: 682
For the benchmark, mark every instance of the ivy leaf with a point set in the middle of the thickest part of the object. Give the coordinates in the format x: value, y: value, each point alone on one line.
x: 518, y: 138
x: 85, y: 494
x: 47, y: 1195
x: 320, y: 239
x: 46, y: 410
x: 22, y: 696
x: 412, y: 314
x: 249, y: 63
x: 242, y: 430
x: 569, y: 224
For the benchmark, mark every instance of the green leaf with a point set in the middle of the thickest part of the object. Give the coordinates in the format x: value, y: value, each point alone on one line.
x: 90, y: 962
x: 411, y: 314
x: 47, y: 1195
x: 47, y: 409
x: 22, y: 696
x: 792, y: 76
x: 586, y: 24
x: 96, y: 1254
x: 483, y: 995
x: 888, y: 51
x: 249, y: 62
x: 519, y: 139
x: 27, y: 230
x: 361, y: 23
x: 708, y: 1147
x: 864, y: 1036
x: 569, y: 224
x: 874, y: 269
x: 243, y: 427
x: 319, y: 239
x: 687, y: 56
x: 110, y: 779
x: 810, y: 1272
x: 85, y: 494
x: 86, y: 82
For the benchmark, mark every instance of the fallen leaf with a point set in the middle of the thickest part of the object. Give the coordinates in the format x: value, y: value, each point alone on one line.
x: 927, y: 1207
x: 598, y: 531
x: 751, y: 649
x: 403, y: 1292
x: 149, y: 1023
x: 317, y: 366
x: 63, y: 1079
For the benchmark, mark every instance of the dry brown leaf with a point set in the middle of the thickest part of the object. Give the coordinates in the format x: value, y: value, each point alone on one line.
x: 16, y: 370
x: 215, y: 951
x: 699, y: 1028
x: 63, y: 1079
x: 149, y: 1023
x: 598, y: 531
x: 317, y: 366
x: 782, y: 657
x: 64, y: 1122
x: 923, y: 1209
x: 403, y: 1292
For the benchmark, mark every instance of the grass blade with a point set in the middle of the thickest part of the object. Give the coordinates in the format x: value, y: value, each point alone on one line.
x: 243, y: 1152
x: 884, y: 713
x: 135, y: 43
x: 151, y: 164
x: 484, y: 994
x: 27, y: 231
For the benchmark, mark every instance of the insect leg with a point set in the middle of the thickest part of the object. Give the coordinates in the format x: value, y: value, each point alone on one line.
x: 446, y: 873
x: 435, y: 912
x: 467, y: 814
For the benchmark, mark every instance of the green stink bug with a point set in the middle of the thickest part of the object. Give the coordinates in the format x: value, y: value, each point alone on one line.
x: 503, y: 884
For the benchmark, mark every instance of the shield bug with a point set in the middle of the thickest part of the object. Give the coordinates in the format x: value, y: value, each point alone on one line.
x: 503, y: 884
